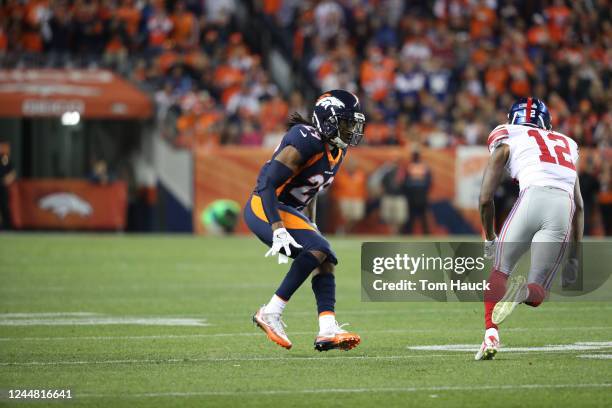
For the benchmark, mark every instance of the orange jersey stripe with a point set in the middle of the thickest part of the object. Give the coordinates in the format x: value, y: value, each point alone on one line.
x: 291, y: 221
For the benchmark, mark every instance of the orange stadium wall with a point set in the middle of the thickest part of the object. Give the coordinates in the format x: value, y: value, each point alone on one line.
x: 230, y: 173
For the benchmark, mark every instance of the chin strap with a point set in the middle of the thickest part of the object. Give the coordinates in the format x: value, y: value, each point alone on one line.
x: 337, y: 140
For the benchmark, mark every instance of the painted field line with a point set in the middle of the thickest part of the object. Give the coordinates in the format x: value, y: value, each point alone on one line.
x: 105, y: 320
x: 473, y: 349
x: 596, y: 356
x: 578, y: 346
x: 46, y: 314
x: 397, y: 311
x: 302, y: 333
x: 436, y: 310
x: 219, y: 359
x: 352, y: 390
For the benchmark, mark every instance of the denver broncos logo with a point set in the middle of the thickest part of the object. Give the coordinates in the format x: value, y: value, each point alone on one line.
x: 62, y: 204
x: 327, y: 101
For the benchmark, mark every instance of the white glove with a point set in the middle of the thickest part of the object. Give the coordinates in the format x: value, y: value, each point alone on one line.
x: 490, y: 247
x: 281, y: 239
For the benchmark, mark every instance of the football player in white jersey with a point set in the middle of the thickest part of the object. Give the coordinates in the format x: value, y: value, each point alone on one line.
x: 547, y: 215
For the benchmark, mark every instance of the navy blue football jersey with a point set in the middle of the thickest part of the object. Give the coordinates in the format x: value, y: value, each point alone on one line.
x: 319, y: 167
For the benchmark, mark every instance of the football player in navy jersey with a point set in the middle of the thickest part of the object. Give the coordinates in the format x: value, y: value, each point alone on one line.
x: 281, y: 212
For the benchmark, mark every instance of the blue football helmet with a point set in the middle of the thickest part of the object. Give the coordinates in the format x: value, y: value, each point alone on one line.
x: 338, y: 117
x: 530, y: 112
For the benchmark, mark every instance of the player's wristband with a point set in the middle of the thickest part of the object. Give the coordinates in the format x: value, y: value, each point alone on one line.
x: 276, y: 174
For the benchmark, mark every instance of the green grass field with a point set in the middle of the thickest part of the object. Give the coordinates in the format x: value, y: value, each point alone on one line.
x: 166, y: 321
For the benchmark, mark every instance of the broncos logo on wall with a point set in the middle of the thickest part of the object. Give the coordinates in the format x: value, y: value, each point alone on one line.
x: 62, y: 204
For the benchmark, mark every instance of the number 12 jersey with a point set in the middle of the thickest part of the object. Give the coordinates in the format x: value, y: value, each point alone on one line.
x: 538, y: 157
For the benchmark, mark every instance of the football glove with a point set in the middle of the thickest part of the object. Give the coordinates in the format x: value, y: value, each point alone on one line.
x: 569, y: 275
x: 281, y: 239
x: 490, y: 247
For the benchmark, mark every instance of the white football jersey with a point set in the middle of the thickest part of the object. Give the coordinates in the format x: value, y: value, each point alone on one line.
x: 538, y: 157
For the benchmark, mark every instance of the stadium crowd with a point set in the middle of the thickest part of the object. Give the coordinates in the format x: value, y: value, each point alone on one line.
x: 444, y: 72
x: 439, y: 73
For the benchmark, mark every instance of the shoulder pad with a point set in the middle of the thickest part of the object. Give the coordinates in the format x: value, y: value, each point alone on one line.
x: 305, y: 139
x: 496, y: 136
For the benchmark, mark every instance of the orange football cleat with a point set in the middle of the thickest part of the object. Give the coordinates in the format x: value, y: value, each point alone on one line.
x: 335, y: 337
x: 273, y: 326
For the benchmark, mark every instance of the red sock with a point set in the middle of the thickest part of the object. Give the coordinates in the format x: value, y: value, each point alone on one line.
x: 536, y: 295
x: 497, y: 289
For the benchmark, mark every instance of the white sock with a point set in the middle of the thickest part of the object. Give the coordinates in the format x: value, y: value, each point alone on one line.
x: 326, y: 322
x: 491, y: 332
x: 275, y: 305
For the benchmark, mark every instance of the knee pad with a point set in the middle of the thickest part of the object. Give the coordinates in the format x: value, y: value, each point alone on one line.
x: 330, y: 256
x: 327, y: 267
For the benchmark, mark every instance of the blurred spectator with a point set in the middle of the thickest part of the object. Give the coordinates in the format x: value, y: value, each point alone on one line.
x: 251, y: 134
x: 185, y: 30
x: 393, y: 204
x: 328, y: 18
x: 219, y: 10
x: 589, y: 187
x: 99, y: 172
x: 296, y: 104
x: 605, y: 197
x: 417, y: 193
x: 159, y: 27
x: 145, y: 198
x: 377, y: 72
x: 7, y: 177
x: 350, y: 191
x: 129, y: 16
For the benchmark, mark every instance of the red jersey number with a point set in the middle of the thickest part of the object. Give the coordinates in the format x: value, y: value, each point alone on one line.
x: 560, y: 151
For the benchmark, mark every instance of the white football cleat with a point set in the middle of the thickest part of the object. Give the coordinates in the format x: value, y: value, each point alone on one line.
x: 273, y: 326
x: 516, y: 294
x: 335, y: 337
x: 489, y: 346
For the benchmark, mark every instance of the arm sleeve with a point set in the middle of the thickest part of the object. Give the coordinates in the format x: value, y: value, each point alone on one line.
x: 276, y: 174
x: 307, y: 142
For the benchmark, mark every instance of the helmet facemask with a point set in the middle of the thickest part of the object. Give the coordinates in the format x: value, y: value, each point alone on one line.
x: 345, y: 129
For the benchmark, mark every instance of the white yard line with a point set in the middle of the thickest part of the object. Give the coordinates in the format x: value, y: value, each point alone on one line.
x: 579, y: 346
x: 302, y: 333
x: 596, y: 356
x: 407, y: 308
x: 396, y: 311
x: 52, y: 314
x: 91, y: 319
x: 453, y: 348
x: 351, y: 390
x: 218, y: 359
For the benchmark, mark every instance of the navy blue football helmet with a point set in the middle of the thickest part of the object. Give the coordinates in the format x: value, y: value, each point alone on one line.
x: 338, y: 117
x: 530, y: 112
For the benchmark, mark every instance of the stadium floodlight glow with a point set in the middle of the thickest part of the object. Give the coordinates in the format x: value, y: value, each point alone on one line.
x: 71, y: 118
